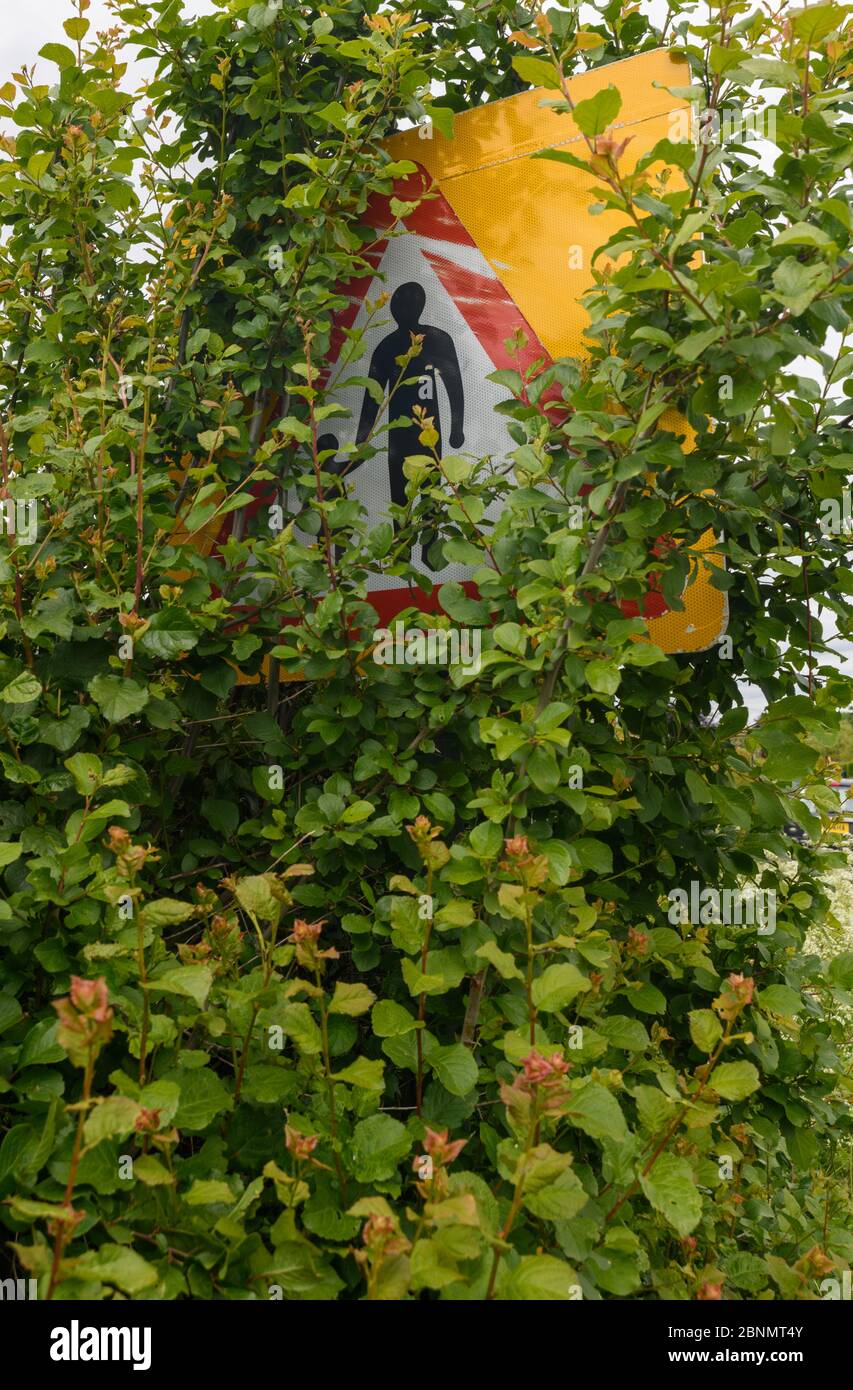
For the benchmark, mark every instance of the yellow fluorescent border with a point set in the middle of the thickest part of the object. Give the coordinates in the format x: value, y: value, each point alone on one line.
x: 530, y: 216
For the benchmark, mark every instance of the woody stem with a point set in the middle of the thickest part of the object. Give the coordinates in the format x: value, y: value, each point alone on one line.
x: 419, y: 1091
x: 330, y: 1086
x: 516, y: 1196
x: 61, y: 1234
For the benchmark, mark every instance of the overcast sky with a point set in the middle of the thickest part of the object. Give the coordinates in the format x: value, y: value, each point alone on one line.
x: 27, y: 25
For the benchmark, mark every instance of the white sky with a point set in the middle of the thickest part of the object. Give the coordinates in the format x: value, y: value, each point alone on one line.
x: 27, y: 26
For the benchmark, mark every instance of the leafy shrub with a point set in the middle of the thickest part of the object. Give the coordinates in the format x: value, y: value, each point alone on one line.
x: 360, y: 980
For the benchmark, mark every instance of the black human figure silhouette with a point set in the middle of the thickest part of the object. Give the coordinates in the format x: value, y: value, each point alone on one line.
x: 437, y: 359
x: 329, y: 441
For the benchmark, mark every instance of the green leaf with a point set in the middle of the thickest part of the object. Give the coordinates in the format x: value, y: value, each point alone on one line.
x: 511, y: 637
x: 117, y: 1265
x: 541, y: 1279
x: 705, y: 1029
x: 223, y: 815
x: 30, y: 1210
x: 647, y: 999
x: 58, y: 53
x: 459, y: 912
x: 562, y: 157
x: 40, y: 1047
x: 560, y: 1200
x: 206, y: 1192
x: 193, y: 981
x: 333, y: 114
x: 169, y: 634
x: 301, y: 1272
x: 698, y: 788
x: 670, y: 1188
x: 557, y: 986
x: 445, y: 970
x: 115, y: 1116
x: 378, y: 1145
x: 22, y: 690
x: 52, y: 956
x: 746, y: 1271
x: 798, y: 284
x: 165, y: 912
x: 38, y: 164
x: 594, y: 115
x: 352, y: 999
x: 560, y: 861
x: 692, y: 223
x: 390, y: 1020
x: 19, y: 1144
x: 257, y: 894
x: 801, y: 234
x: 443, y: 118
x: 149, y: 1170
x: 692, y: 347
x: 815, y: 22
x: 367, y: 1074
x: 550, y: 1188
x: 9, y: 853
x: 118, y: 697
x: 543, y: 769
x: 789, y: 762
x: 76, y: 29
x: 537, y: 71
x: 780, y: 999
x: 625, y: 1033
x: 203, y: 1097
x: 655, y: 1110
x: 87, y: 771
x: 735, y: 1080
x: 62, y: 734
x: 596, y: 1111
x: 840, y: 971
x: 593, y: 854
x: 486, y: 840
x: 803, y: 1147
x: 503, y: 962
x: 455, y: 1068
x: 267, y: 1083
x: 298, y: 1023
x: 432, y: 1266
x: 18, y: 772
x: 603, y: 677
x: 10, y: 1011
x: 164, y: 1096
x: 40, y: 1152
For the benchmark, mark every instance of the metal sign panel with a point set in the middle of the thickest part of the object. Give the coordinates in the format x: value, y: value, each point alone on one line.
x: 503, y: 242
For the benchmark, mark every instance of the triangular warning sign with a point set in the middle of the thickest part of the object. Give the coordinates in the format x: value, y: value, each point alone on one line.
x: 431, y: 280
x: 438, y: 285
x: 501, y: 242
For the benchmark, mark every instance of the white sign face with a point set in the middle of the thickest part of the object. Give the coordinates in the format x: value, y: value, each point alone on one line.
x: 448, y: 380
x: 442, y: 289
